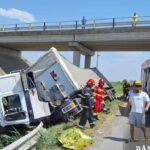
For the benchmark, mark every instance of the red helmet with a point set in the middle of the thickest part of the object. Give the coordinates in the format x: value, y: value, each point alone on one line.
x: 90, y: 82
x: 101, y: 81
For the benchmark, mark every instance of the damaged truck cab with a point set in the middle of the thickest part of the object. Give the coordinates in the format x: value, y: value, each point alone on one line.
x: 19, y: 102
x: 13, y: 106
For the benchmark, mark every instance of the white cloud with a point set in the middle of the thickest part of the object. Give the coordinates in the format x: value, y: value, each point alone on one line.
x: 20, y: 15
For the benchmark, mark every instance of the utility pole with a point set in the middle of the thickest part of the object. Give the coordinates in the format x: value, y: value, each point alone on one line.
x: 97, y: 63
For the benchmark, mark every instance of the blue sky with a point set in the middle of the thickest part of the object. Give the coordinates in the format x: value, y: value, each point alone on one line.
x: 115, y: 65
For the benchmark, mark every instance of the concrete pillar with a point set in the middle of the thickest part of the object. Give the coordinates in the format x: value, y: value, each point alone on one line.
x: 76, y: 58
x: 10, y: 52
x: 87, y: 62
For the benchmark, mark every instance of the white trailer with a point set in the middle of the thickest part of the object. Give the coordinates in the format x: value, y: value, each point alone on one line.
x: 60, y: 77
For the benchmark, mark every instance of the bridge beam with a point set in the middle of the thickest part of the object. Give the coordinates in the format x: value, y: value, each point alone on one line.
x: 81, y: 50
x: 84, y: 50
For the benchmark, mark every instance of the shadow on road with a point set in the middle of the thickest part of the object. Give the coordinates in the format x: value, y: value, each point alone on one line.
x: 116, y: 139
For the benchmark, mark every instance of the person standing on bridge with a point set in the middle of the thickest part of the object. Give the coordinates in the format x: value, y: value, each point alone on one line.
x: 134, y: 20
x: 140, y: 103
x: 83, y: 22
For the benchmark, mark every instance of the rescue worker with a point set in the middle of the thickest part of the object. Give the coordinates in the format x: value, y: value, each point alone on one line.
x: 126, y: 89
x: 87, y: 102
x: 134, y: 20
x: 99, y: 98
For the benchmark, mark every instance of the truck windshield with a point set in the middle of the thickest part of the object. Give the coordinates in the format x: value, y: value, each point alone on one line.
x: 12, y: 108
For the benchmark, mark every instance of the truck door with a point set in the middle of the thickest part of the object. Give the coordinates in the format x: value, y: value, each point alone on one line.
x: 13, y: 109
x: 38, y: 109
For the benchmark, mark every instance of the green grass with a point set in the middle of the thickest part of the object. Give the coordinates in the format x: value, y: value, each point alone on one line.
x: 118, y: 87
x: 48, y: 140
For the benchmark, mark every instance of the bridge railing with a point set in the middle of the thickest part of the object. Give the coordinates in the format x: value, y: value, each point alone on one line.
x: 77, y: 24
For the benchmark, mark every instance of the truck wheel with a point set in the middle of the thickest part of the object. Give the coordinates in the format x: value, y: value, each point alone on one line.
x: 2, y: 130
x: 66, y: 118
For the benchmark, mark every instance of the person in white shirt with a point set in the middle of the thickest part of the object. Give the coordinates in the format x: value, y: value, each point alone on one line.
x: 140, y: 103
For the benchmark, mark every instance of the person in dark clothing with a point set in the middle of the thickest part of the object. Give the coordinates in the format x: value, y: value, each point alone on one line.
x: 83, y: 22
x: 126, y: 89
x: 87, y: 102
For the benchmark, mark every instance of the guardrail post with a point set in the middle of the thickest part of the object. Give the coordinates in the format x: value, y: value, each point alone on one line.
x: 76, y: 24
x: 44, y: 26
x: 113, y: 25
x: 94, y: 24
x: 30, y: 27
x: 3, y: 28
x: 16, y: 28
x: 60, y: 25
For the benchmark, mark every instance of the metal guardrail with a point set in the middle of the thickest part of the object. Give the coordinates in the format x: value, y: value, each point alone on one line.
x: 26, y: 142
x: 77, y: 24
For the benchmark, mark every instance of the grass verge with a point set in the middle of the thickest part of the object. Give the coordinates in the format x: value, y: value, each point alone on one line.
x: 118, y: 87
x: 10, y: 138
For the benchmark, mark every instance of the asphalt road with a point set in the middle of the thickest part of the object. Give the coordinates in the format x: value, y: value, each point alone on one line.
x: 115, y: 136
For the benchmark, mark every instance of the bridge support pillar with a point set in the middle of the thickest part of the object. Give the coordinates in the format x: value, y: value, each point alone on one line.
x: 82, y: 49
x: 87, y: 62
x: 76, y: 58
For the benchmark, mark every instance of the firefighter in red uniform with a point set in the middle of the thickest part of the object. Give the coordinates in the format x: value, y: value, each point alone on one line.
x: 99, y: 97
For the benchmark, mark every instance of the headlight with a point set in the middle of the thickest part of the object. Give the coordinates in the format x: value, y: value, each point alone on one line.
x: 72, y: 105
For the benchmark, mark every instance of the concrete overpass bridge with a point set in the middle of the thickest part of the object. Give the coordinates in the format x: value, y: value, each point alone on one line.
x: 112, y: 34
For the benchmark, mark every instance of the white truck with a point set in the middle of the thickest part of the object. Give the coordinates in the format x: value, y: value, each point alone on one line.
x: 27, y: 97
